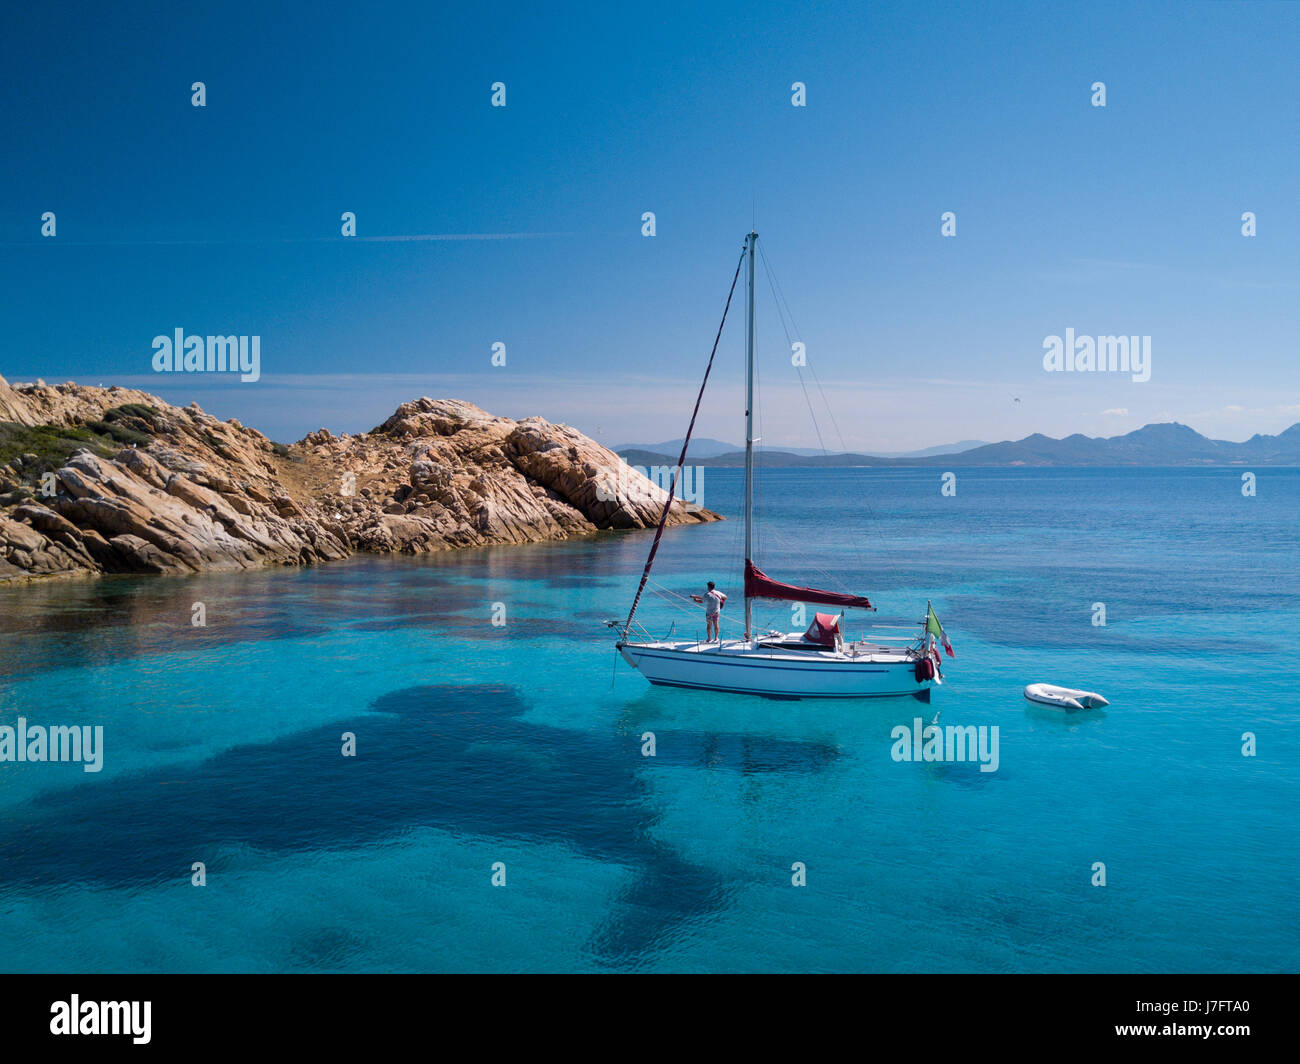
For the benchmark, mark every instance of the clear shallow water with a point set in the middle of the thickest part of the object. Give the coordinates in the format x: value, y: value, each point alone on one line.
x: 521, y: 744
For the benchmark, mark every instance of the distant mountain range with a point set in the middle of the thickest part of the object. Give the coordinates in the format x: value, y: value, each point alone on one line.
x: 1164, y: 444
x: 710, y: 448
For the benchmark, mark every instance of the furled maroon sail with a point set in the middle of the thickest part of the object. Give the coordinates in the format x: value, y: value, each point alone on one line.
x: 759, y: 585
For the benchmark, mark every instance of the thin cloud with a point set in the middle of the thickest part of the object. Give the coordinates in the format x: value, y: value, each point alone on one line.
x: 395, y: 238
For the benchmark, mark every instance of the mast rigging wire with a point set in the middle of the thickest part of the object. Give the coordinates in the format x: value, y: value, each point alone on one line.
x: 681, y: 461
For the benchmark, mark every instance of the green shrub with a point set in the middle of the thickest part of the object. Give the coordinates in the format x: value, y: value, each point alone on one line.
x: 120, y: 433
x: 53, y: 445
x: 138, y: 411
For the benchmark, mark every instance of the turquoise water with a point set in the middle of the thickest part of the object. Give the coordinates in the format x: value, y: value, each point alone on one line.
x: 521, y: 744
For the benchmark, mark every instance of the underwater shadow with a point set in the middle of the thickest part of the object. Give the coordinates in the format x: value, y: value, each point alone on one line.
x: 456, y: 758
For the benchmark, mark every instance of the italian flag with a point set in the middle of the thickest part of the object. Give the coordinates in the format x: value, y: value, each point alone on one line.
x: 935, y: 629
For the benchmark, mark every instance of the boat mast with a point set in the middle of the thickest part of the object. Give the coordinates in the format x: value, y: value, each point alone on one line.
x: 749, y: 435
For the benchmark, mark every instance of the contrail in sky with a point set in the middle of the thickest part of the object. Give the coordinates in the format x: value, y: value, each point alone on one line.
x: 394, y: 239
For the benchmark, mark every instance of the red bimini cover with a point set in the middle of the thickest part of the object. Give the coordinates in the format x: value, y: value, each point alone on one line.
x: 823, y: 630
x: 759, y: 585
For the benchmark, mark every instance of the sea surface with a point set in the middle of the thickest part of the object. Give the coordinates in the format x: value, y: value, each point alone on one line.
x: 516, y: 749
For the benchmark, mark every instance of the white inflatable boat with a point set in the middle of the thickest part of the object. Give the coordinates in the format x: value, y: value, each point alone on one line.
x: 1063, y: 697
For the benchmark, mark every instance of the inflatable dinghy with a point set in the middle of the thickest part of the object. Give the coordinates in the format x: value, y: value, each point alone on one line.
x: 1063, y: 697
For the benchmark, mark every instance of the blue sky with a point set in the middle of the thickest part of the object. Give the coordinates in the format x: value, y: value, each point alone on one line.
x: 225, y: 219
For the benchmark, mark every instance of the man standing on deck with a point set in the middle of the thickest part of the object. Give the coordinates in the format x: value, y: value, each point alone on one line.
x: 713, y: 600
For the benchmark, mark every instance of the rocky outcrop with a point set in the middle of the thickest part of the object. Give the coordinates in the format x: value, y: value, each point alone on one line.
x: 109, y: 480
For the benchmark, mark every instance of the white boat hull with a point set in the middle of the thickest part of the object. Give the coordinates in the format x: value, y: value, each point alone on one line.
x: 748, y: 668
x: 1067, y: 698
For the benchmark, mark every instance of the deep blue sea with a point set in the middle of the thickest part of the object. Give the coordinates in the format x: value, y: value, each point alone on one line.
x: 521, y: 744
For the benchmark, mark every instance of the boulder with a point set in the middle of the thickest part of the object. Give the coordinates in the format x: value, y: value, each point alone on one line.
x: 203, y: 494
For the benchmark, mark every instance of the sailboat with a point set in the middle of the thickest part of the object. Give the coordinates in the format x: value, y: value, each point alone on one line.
x: 816, y: 663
